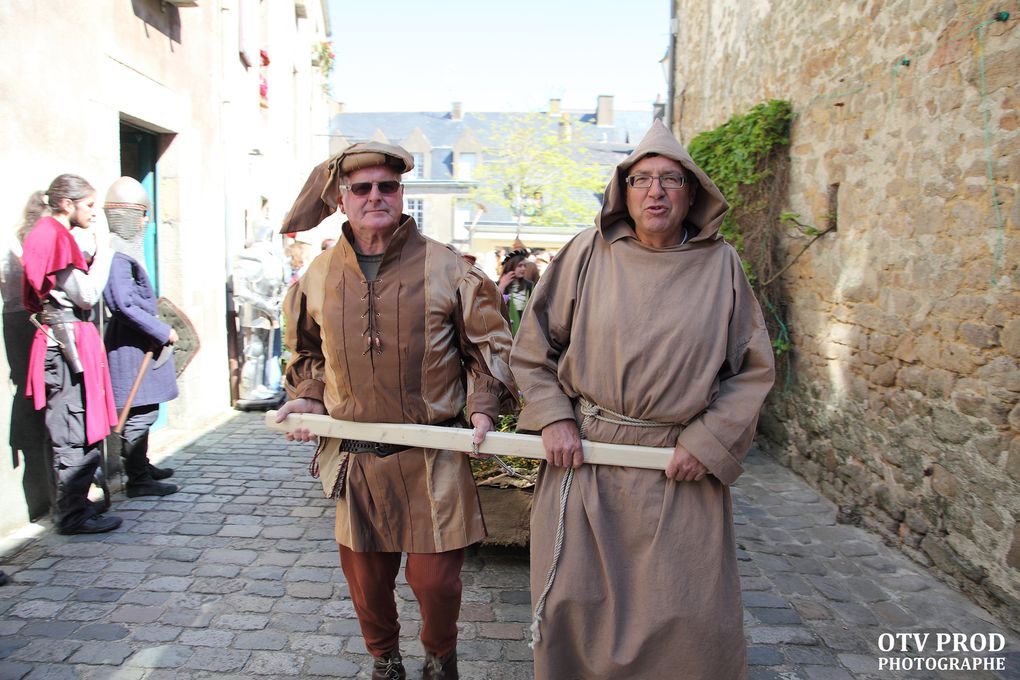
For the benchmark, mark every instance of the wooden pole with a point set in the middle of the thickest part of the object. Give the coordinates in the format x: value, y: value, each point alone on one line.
x: 459, y: 439
x: 134, y: 390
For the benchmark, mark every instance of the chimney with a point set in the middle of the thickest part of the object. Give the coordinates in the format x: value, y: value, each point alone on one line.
x: 554, y: 107
x: 336, y: 107
x: 604, y: 112
x: 659, y: 108
x: 457, y: 111
x: 566, y: 130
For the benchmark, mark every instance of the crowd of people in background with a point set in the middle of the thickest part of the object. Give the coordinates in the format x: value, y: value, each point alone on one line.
x: 517, y: 279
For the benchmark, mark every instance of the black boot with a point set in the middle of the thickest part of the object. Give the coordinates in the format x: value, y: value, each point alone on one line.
x: 147, y: 486
x: 98, y: 524
x: 441, y: 667
x: 158, y: 473
x: 389, y: 666
x: 136, y: 466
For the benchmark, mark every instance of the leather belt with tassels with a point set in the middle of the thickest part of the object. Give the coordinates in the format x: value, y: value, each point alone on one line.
x: 381, y: 450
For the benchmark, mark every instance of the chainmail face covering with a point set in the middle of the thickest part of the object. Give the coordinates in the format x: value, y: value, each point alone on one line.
x: 127, y: 232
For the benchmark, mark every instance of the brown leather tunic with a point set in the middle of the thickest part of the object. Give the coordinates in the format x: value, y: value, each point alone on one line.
x: 416, y: 345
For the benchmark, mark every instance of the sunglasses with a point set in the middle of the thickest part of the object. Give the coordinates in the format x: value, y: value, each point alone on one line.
x: 365, y: 188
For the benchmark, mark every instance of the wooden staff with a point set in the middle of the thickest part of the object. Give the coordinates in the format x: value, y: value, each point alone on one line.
x: 459, y: 439
x: 134, y: 390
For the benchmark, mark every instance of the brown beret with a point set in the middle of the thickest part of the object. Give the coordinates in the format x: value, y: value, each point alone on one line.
x: 317, y: 199
x: 371, y: 154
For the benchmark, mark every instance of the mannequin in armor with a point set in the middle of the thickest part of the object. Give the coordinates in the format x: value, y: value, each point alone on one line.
x: 67, y: 370
x: 259, y: 284
x: 133, y: 330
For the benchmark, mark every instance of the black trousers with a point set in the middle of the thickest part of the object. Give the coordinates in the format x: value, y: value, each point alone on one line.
x: 74, y: 461
x: 135, y: 435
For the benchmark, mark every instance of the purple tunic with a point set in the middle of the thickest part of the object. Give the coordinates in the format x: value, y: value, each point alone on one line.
x: 133, y: 330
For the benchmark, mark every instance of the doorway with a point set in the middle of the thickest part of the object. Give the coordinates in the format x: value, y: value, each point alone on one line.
x: 138, y: 150
x: 138, y: 154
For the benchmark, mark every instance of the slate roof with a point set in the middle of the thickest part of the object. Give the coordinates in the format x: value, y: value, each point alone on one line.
x: 608, y: 145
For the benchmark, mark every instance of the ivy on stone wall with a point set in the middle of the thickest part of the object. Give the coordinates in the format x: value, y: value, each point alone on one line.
x: 736, y: 156
x: 748, y: 159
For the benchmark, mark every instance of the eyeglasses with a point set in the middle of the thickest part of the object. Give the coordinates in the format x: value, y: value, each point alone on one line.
x: 665, y: 181
x: 390, y: 186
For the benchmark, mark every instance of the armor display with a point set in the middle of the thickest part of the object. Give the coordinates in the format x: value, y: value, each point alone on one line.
x: 259, y: 286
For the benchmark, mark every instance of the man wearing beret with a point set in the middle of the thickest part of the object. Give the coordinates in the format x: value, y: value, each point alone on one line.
x: 391, y: 326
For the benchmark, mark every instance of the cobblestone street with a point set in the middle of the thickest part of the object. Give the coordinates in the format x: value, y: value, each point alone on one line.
x: 237, y: 576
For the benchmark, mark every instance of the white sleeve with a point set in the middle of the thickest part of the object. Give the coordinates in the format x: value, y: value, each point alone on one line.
x: 86, y: 289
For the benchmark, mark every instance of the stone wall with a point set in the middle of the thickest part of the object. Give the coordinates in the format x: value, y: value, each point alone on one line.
x: 901, y: 401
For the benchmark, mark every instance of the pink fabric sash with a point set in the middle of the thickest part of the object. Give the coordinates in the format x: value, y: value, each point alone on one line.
x: 48, y: 248
x: 100, y: 411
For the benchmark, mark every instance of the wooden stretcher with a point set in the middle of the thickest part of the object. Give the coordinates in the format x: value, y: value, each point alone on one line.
x: 459, y: 439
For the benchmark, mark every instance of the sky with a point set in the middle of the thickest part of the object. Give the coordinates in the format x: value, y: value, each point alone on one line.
x: 422, y: 55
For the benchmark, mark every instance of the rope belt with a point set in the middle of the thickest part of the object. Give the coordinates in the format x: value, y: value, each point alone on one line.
x: 590, y: 412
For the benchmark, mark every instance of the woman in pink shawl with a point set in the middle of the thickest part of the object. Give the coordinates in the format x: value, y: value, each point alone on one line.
x: 67, y: 370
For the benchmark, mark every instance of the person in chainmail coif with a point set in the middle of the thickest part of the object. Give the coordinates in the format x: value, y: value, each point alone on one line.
x: 135, y: 329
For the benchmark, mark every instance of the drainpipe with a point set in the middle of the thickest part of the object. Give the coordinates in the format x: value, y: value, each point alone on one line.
x: 674, y: 28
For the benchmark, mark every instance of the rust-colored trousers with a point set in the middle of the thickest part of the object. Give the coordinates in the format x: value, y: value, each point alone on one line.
x: 435, y: 580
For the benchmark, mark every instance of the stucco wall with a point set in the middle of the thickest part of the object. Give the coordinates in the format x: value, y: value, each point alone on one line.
x: 902, y: 399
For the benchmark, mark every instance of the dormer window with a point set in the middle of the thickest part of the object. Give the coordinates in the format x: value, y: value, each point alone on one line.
x: 418, y: 171
x: 466, y: 166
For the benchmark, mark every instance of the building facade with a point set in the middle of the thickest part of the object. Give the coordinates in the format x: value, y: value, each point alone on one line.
x: 901, y: 405
x: 217, y: 106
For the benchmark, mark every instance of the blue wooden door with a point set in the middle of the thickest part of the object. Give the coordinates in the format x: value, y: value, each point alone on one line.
x: 138, y: 154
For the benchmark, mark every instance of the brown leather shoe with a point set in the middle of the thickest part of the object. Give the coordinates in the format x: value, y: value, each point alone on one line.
x: 441, y: 667
x: 389, y: 667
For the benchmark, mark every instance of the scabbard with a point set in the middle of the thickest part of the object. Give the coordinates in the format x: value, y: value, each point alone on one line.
x: 62, y: 332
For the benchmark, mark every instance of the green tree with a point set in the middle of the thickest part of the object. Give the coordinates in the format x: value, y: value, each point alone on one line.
x: 540, y: 171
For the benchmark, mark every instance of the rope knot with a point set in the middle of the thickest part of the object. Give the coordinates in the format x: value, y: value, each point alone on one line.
x: 606, y: 415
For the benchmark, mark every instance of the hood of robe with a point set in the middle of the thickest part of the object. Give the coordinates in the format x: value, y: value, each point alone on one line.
x: 703, y: 219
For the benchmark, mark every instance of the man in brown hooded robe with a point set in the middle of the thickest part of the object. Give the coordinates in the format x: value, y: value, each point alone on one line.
x: 390, y: 326
x: 644, y: 330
